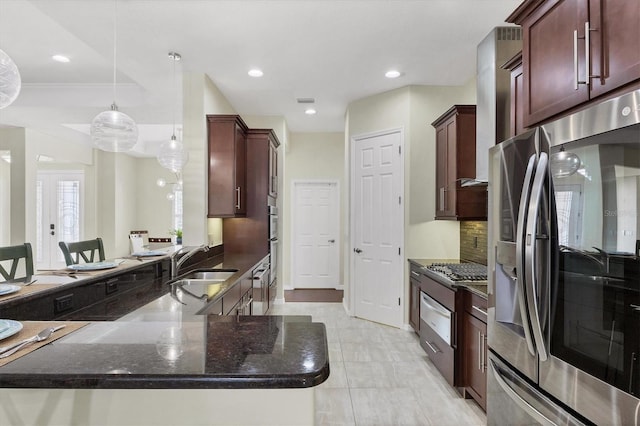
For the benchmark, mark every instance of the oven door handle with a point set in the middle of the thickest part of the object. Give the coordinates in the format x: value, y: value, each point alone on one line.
x: 520, y: 241
x: 531, y: 242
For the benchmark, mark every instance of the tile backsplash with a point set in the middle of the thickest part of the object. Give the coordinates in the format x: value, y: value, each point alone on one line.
x: 473, y: 241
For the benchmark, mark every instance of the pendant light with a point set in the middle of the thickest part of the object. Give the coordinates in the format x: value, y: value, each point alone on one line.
x: 564, y: 164
x: 172, y: 155
x: 112, y: 130
x: 10, y: 81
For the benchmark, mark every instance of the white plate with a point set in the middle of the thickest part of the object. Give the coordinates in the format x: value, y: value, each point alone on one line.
x: 148, y: 253
x: 95, y: 266
x: 8, y: 328
x: 8, y: 289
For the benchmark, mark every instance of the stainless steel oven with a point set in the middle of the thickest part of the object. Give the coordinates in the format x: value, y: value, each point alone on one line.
x: 564, y: 272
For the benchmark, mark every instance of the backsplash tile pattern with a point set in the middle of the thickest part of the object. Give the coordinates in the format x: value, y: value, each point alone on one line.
x: 473, y: 241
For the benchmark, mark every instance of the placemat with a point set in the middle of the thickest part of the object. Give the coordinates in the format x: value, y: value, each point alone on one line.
x: 31, y: 328
x: 33, y: 288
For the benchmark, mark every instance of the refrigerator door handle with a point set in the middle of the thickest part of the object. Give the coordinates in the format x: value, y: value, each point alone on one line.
x: 520, y: 241
x: 522, y: 403
x: 531, y: 280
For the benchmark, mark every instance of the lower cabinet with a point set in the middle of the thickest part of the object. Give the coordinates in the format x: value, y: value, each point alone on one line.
x: 414, y: 299
x: 475, y: 348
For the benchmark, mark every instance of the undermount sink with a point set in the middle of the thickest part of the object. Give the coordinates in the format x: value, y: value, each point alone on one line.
x: 196, y: 277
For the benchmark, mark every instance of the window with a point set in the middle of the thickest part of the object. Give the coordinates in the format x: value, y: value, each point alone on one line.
x: 569, y: 211
x: 177, y: 209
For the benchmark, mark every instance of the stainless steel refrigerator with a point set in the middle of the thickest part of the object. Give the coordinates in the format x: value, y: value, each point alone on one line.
x: 564, y: 270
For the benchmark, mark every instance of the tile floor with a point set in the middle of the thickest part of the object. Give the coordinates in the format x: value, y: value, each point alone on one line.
x: 380, y: 375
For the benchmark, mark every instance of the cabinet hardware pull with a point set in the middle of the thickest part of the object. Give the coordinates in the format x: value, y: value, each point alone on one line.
x: 483, y: 351
x: 442, y: 198
x: 238, y: 198
x: 633, y: 358
x: 435, y: 350
x: 587, y: 52
x: 479, y: 351
x: 482, y: 311
x: 576, y: 80
x: 415, y: 273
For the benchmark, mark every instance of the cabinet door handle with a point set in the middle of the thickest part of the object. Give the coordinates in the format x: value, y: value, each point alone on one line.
x: 442, y: 198
x: 576, y: 80
x: 483, y: 351
x: 479, y: 351
x: 415, y: 273
x: 587, y: 52
x: 482, y: 311
x: 238, y: 198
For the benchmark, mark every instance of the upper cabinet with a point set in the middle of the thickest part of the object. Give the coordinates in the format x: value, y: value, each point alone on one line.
x: 273, y: 165
x: 575, y: 51
x: 514, y: 66
x: 227, y: 166
x: 455, y: 160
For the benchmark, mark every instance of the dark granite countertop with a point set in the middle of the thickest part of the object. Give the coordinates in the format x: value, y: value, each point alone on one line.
x: 167, y: 345
x: 479, y: 289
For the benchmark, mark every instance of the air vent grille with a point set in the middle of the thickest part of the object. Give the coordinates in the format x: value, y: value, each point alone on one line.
x: 306, y: 100
x: 509, y: 33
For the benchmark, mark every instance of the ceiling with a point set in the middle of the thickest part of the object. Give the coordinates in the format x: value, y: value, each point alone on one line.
x: 335, y: 51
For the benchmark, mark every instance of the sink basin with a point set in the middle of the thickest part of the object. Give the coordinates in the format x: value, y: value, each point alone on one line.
x: 207, y: 276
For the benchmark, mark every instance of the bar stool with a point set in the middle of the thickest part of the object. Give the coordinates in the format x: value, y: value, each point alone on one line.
x: 14, y: 254
x: 85, y: 250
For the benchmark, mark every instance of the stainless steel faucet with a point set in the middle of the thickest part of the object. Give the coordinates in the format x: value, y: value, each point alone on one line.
x: 177, y: 263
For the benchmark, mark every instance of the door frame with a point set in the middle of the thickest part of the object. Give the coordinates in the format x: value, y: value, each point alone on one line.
x: 292, y: 240
x: 350, y: 307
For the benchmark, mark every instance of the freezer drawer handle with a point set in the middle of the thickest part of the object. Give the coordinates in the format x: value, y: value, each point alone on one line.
x: 518, y: 399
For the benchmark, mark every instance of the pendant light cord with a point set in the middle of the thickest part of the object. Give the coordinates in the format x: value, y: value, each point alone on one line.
x: 115, y: 48
x: 175, y: 94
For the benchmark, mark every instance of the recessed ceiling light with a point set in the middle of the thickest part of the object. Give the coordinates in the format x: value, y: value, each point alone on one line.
x: 310, y: 111
x: 60, y: 58
x: 392, y: 74
x: 256, y: 73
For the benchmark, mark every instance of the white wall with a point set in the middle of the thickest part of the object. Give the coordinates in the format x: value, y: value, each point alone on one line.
x: 311, y: 156
x: 411, y: 108
x: 14, y: 141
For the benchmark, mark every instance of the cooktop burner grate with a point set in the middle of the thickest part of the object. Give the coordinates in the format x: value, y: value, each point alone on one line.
x: 460, y: 271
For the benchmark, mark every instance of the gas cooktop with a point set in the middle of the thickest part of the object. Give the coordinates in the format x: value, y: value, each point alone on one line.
x: 459, y: 272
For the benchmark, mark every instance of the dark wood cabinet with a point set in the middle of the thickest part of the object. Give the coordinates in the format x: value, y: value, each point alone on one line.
x: 414, y: 298
x: 273, y: 167
x: 456, y: 160
x: 250, y: 234
x: 516, y: 114
x: 475, y: 348
x: 575, y: 51
x: 227, y: 166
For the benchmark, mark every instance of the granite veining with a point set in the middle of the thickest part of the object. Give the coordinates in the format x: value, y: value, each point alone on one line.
x: 166, y: 344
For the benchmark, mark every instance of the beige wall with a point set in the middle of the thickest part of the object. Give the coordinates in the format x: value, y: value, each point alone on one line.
x: 412, y: 109
x: 313, y: 156
x: 153, y: 209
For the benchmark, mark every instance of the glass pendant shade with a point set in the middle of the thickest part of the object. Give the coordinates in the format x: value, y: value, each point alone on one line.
x: 114, y: 131
x: 10, y: 81
x: 564, y: 164
x: 172, y: 155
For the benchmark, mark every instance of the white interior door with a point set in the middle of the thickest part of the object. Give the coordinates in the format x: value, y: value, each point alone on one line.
x: 315, y: 218
x: 377, y: 224
x: 59, y: 215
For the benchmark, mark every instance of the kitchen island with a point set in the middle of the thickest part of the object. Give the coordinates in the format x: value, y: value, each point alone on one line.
x: 165, y: 364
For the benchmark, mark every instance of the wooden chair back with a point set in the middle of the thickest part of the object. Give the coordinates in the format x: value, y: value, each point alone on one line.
x: 11, y: 257
x: 82, y: 250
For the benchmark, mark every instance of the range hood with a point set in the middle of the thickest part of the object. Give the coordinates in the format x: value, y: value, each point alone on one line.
x: 493, y: 95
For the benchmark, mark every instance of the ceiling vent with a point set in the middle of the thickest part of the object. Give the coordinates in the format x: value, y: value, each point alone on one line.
x: 306, y: 100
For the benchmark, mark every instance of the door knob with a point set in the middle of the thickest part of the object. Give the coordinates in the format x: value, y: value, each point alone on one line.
x: 332, y: 241
x: 357, y: 250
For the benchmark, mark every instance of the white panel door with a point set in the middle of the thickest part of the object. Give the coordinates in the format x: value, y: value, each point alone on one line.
x: 377, y: 227
x: 59, y: 215
x: 316, y: 231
